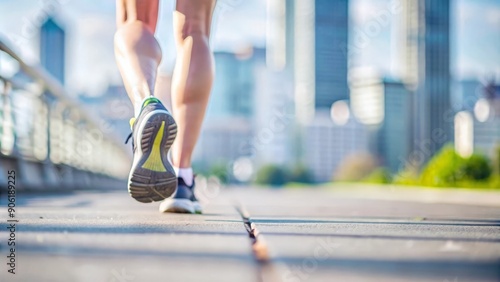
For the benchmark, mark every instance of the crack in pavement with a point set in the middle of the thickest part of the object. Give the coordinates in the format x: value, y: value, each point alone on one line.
x: 266, y: 270
x: 259, y: 247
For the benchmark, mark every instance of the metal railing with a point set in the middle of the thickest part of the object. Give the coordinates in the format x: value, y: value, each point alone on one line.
x: 49, y: 136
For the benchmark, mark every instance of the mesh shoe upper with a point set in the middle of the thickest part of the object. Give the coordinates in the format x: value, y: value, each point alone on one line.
x: 184, y: 191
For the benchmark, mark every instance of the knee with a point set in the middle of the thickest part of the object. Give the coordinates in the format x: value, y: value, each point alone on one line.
x: 193, y: 25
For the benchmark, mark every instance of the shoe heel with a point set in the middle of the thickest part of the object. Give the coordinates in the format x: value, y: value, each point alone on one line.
x: 153, y: 178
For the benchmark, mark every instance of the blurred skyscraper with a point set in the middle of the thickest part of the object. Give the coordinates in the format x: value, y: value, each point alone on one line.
x: 274, y: 120
x: 308, y: 36
x: 249, y: 114
x: 395, y: 134
x: 486, y: 126
x: 301, y: 43
x: 331, y: 28
x: 327, y: 144
x: 233, y: 86
x: 426, y: 36
x: 384, y: 105
x: 52, y: 48
x: 469, y: 91
x: 276, y: 89
x: 228, y: 126
x: 113, y: 107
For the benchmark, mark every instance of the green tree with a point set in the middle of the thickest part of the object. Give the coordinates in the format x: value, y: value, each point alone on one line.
x: 477, y: 167
x: 271, y: 175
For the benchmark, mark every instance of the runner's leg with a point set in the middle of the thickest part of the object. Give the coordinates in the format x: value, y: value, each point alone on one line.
x: 193, y: 75
x: 136, y: 49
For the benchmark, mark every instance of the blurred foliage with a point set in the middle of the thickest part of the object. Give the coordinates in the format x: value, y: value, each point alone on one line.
x: 356, y: 167
x: 378, y: 176
x: 277, y: 176
x: 495, y: 182
x: 477, y: 167
x: 444, y: 169
x: 300, y: 174
x: 447, y: 168
x: 271, y: 175
x: 220, y: 171
x: 408, y: 176
x: 497, y: 161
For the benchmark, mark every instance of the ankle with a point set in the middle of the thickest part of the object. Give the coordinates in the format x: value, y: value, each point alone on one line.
x: 186, y: 173
x: 138, y: 103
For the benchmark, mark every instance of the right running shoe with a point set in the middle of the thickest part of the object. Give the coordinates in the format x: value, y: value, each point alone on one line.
x: 184, y: 200
x: 151, y: 177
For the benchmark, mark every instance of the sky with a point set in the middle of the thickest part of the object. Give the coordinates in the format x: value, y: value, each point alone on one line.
x: 90, y: 26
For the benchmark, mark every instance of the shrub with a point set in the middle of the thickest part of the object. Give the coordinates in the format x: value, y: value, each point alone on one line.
x: 497, y: 160
x: 271, y: 175
x: 301, y: 175
x: 447, y: 168
x: 444, y: 169
x: 409, y: 175
x: 477, y: 167
x: 378, y: 176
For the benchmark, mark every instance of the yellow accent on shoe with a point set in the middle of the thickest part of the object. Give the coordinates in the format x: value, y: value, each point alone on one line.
x: 132, y: 121
x: 154, y: 161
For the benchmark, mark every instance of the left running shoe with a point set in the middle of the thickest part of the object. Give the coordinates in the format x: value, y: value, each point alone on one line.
x: 151, y: 177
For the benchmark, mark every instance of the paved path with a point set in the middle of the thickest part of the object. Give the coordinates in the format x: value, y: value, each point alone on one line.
x: 308, y: 234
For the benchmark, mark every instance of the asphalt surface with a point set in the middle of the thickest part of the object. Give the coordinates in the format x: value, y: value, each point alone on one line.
x: 257, y: 234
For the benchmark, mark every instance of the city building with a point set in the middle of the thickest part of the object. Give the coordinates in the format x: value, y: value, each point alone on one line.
x: 274, y: 120
x: 235, y: 123
x: 469, y: 91
x: 222, y: 142
x: 52, y: 48
x: 384, y: 105
x: 426, y: 57
x: 233, y: 86
x: 331, y: 29
x: 113, y: 108
x: 327, y: 144
x: 486, y: 135
x: 478, y: 130
x: 228, y: 124
x: 308, y: 39
x: 487, y: 120
x: 312, y: 40
x: 395, y: 138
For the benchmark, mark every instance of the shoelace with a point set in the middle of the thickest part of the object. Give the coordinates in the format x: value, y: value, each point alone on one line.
x: 128, y: 138
x: 132, y: 121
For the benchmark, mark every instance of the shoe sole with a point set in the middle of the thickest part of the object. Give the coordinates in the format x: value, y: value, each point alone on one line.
x: 177, y: 206
x: 152, y: 178
x: 197, y: 207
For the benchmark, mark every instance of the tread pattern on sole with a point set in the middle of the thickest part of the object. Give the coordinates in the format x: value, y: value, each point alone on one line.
x: 145, y: 185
